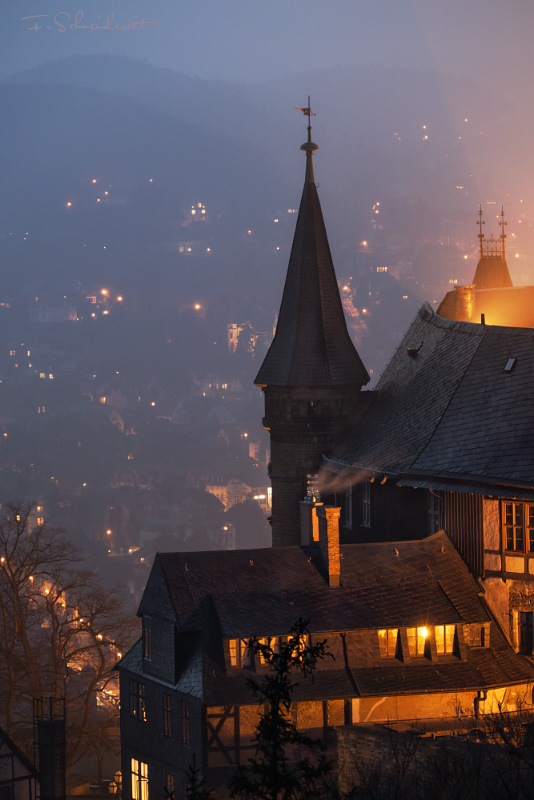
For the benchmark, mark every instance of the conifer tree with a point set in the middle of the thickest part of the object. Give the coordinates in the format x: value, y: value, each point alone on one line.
x: 271, y: 774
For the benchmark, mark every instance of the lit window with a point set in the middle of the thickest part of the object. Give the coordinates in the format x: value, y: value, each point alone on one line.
x: 169, y: 786
x: 167, y: 715
x: 388, y: 642
x: 518, y: 526
x: 137, y: 700
x: 263, y: 641
x: 40, y: 520
x: 417, y: 641
x: 247, y: 654
x: 233, y: 652
x: 139, y: 780
x: 186, y: 729
x: 444, y: 638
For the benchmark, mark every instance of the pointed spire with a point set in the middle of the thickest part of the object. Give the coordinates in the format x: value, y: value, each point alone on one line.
x: 480, y: 224
x: 502, y: 223
x: 312, y: 346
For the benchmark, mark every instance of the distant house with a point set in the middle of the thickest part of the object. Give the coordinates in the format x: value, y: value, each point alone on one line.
x: 19, y: 780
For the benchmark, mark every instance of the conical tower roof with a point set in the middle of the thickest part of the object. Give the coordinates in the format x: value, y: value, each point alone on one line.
x: 312, y: 346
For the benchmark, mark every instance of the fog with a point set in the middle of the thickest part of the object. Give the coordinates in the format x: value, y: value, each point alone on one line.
x: 150, y: 182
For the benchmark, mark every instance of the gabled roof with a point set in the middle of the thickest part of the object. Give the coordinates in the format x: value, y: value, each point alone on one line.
x: 263, y: 592
x: 383, y: 585
x: 446, y: 405
x: 312, y: 346
x: 7, y: 744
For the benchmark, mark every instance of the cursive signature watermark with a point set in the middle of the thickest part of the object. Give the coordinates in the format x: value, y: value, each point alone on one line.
x: 63, y: 22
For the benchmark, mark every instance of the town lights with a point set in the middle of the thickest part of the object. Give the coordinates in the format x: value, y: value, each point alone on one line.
x: 197, y: 306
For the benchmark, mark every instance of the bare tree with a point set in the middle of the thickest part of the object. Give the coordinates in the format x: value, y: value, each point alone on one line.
x: 60, y: 635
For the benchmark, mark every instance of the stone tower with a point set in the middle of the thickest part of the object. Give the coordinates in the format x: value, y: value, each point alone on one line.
x: 312, y: 374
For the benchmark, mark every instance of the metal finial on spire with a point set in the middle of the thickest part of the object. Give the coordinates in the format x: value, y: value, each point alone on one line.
x: 309, y: 147
x: 480, y: 223
x: 502, y: 223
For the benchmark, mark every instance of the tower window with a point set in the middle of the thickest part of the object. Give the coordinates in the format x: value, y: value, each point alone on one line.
x: 366, y: 504
x: 348, y: 507
x: 137, y: 700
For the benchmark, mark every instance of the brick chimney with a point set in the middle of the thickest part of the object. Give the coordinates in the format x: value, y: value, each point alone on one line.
x: 329, y: 542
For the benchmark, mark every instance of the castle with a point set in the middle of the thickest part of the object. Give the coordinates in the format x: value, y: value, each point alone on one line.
x: 403, y: 529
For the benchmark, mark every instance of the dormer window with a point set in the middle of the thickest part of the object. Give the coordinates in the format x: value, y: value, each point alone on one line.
x: 241, y: 655
x: 417, y: 641
x: 444, y: 635
x: 388, y: 641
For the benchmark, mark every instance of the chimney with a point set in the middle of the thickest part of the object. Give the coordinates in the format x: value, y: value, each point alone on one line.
x: 309, y: 524
x: 329, y: 542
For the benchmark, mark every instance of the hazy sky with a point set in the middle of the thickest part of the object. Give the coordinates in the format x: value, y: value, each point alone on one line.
x: 254, y: 40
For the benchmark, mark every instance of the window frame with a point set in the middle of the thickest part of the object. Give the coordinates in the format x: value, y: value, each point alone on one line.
x: 139, y: 775
x: 348, y: 506
x: 388, y: 642
x: 186, y: 722
x: 512, y: 529
x: 147, y: 637
x: 445, y: 642
x: 137, y: 698
x: 167, y: 715
x: 366, y: 504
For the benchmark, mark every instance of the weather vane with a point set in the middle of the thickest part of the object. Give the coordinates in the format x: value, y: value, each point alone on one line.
x: 309, y: 146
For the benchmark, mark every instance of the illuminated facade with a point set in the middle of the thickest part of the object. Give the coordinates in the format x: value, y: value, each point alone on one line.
x: 416, y: 567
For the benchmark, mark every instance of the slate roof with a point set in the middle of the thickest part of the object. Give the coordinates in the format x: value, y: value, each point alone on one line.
x: 312, y: 346
x: 446, y: 406
x: 384, y: 585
